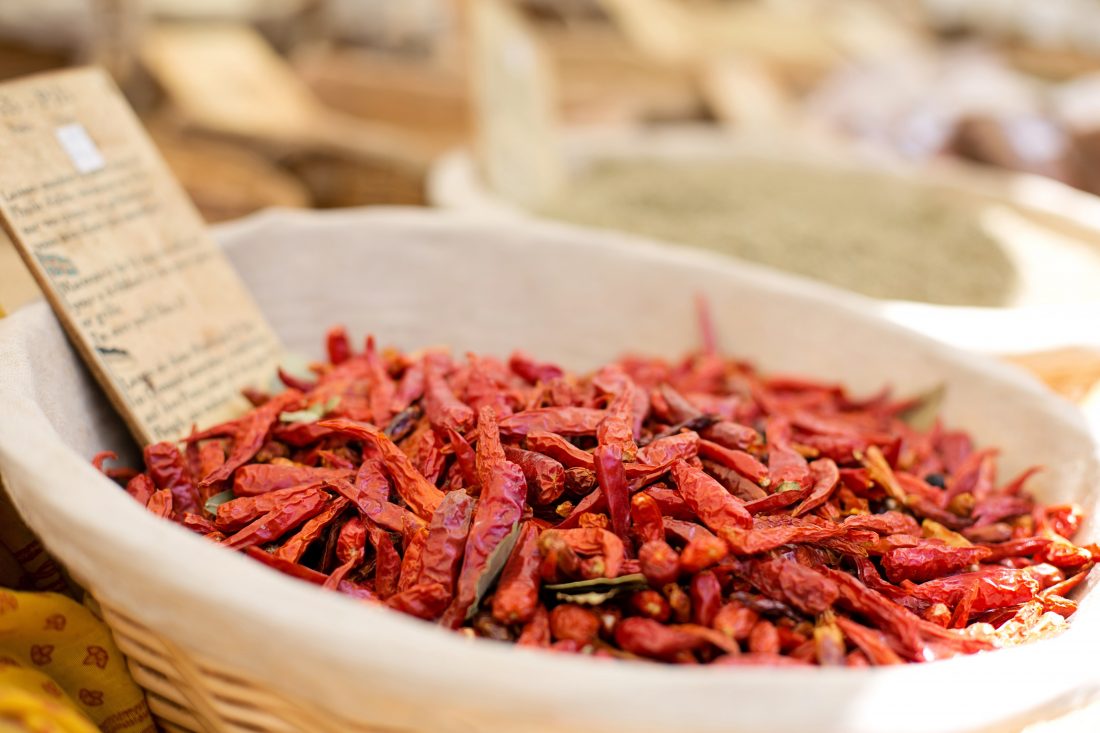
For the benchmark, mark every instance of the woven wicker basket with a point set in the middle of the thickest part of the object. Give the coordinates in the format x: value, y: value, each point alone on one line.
x: 222, y: 644
x: 188, y: 693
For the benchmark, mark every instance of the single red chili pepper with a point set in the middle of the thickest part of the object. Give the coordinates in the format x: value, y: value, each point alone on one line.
x: 929, y: 561
x: 786, y: 495
x: 337, y: 345
x: 517, y: 595
x: 487, y: 385
x: 351, y: 544
x: 612, y: 481
x: 684, y: 446
x: 731, y: 435
x: 412, y: 562
x: 706, y: 598
x: 236, y: 513
x: 784, y: 462
x: 660, y: 563
x: 559, y: 560
x: 616, y: 429
x: 570, y: 622
x: 160, y: 503
x: 736, y: 460
x: 294, y: 570
x: 293, y: 549
x: 260, y: 478
x: 826, y: 478
x: 560, y: 420
x: 466, y: 460
x: 735, y: 620
x: 499, y: 509
x: 168, y: 470
x: 443, y: 409
x: 772, y: 531
x: 286, y: 515
x: 648, y: 638
x: 382, y: 392
x: 424, y: 450
x: 426, y: 601
x: 1065, y: 519
x: 422, y: 497
x: 685, y: 532
x: 387, y: 564
x: 646, y: 517
x: 141, y: 488
x: 995, y: 587
x: 560, y: 449
x: 593, y: 541
x: 701, y: 553
x: 545, y: 476
x: 410, y: 387
x: 531, y: 371
x: 651, y: 604
x: 872, y: 643
x: 802, y: 587
x: 446, y: 540
x: 671, y: 504
x: 294, y: 382
x: 536, y: 632
x: 763, y: 639
x: 708, y: 499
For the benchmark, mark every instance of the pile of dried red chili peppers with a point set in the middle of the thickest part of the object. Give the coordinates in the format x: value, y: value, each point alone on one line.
x: 689, y: 512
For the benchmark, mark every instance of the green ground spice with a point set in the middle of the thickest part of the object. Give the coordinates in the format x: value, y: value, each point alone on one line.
x: 862, y: 231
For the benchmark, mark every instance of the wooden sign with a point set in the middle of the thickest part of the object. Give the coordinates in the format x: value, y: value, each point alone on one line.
x: 514, y: 105
x: 154, y: 307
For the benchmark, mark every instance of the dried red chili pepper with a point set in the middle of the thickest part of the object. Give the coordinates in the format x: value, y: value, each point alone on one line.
x: 708, y: 499
x: 337, y: 345
x: 446, y: 540
x: 293, y: 549
x: 168, y: 470
x: 735, y: 460
x: 499, y: 509
x: 286, y: 515
x: 422, y: 497
x: 929, y: 561
x: 545, y: 476
x: 517, y: 596
x: 560, y: 420
x: 660, y: 563
x: 646, y: 519
x: 570, y: 622
x: 702, y: 552
x: 612, y: 481
x: 560, y: 449
x: 260, y: 478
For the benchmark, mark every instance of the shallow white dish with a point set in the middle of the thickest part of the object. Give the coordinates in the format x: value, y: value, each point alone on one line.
x: 1050, y: 231
x: 580, y: 297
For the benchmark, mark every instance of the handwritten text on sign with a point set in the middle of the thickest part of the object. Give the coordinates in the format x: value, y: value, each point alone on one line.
x: 123, y: 256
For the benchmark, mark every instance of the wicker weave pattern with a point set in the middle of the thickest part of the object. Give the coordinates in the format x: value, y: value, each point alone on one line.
x: 186, y: 693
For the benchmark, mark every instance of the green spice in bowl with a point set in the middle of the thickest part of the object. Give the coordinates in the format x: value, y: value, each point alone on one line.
x: 873, y: 233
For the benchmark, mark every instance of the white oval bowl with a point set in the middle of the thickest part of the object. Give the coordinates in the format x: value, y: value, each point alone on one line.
x: 567, y: 294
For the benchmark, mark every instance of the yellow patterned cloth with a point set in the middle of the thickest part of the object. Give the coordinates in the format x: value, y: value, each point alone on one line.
x: 60, y: 671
